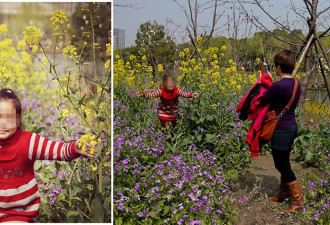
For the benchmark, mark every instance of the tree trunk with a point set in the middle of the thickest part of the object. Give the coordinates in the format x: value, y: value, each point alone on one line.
x: 305, y: 81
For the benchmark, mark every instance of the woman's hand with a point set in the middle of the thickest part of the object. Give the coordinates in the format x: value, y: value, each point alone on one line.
x: 85, y: 149
x: 138, y: 93
x: 195, y: 95
x: 270, y: 75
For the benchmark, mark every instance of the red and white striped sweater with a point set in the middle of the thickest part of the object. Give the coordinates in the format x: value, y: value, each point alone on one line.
x: 169, y: 102
x: 19, y: 195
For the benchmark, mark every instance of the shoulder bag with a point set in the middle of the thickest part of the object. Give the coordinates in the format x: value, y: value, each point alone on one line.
x: 271, y: 119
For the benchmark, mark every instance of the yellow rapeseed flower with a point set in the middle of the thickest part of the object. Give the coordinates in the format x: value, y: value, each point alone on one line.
x: 132, y: 57
x: 69, y: 51
x: 199, y: 40
x: 32, y: 34
x: 3, y: 29
x: 92, y: 150
x: 107, y: 64
x: 160, y: 68
x: 58, y: 17
x: 99, y: 89
x: 34, y: 49
x: 21, y: 45
x: 83, y: 149
x: 108, y: 52
x: 65, y: 113
x: 5, y: 44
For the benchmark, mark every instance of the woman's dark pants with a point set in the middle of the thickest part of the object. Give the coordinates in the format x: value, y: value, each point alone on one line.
x: 281, y: 146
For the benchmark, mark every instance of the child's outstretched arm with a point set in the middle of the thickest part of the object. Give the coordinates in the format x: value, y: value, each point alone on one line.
x: 187, y: 94
x: 154, y: 94
x: 41, y: 148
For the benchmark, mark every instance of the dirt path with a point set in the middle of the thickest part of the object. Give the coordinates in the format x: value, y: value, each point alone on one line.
x: 260, y: 181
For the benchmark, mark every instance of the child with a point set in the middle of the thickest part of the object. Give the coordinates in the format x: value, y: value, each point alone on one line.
x: 169, y: 100
x: 19, y: 196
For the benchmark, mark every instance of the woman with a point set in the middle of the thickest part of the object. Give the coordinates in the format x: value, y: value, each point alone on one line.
x: 279, y: 95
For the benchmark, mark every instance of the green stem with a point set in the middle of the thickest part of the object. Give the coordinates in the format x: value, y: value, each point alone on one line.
x: 74, y: 106
x: 51, y: 67
x: 55, y: 49
x: 78, y: 175
x: 87, y: 204
x: 74, y: 59
x: 100, y: 177
x: 93, y: 37
x: 101, y: 96
x: 74, y: 168
x: 95, y: 65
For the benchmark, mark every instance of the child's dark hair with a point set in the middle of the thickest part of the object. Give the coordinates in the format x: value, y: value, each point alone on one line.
x: 165, y: 78
x: 8, y: 94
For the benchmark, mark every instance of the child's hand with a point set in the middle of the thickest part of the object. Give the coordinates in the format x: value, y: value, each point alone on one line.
x: 85, y: 150
x: 138, y: 93
x: 195, y: 95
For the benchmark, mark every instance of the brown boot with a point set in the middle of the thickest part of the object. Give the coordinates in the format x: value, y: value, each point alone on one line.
x: 297, y: 198
x: 283, y: 194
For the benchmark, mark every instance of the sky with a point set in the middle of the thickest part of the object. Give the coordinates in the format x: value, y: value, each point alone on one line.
x: 129, y: 14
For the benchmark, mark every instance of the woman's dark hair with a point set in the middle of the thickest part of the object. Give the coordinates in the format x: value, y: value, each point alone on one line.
x: 286, y: 60
x: 8, y: 94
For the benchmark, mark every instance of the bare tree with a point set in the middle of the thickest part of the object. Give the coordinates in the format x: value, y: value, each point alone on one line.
x: 236, y: 22
x: 309, y: 16
x: 192, y: 10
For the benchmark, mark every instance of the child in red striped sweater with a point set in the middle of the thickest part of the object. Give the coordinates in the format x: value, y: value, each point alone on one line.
x: 169, y: 100
x: 19, y: 196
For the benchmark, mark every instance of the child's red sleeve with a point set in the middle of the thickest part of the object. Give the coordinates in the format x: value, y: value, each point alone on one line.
x: 41, y: 148
x: 154, y: 94
x: 184, y: 94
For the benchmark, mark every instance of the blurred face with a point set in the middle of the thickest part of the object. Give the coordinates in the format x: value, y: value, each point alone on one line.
x: 8, y: 119
x: 170, y: 85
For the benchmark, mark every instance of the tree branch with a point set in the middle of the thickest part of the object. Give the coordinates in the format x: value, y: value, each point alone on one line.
x: 303, y: 54
x: 308, y: 2
x: 265, y: 29
x: 310, y: 5
x: 324, y: 33
x: 213, y: 22
x: 322, y: 49
x: 323, y: 11
x: 296, y: 12
x: 281, y: 25
x: 322, y: 70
